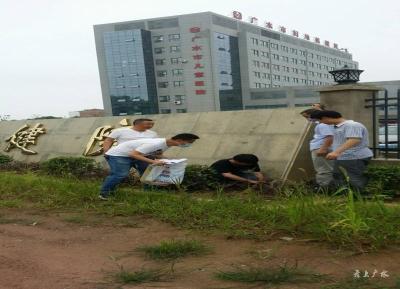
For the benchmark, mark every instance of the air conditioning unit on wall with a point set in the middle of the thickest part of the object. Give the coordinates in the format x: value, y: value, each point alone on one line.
x: 178, y: 102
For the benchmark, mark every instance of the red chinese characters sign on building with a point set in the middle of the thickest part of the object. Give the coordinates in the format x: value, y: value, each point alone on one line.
x: 237, y: 15
x: 198, y: 57
x: 269, y: 25
x: 253, y: 20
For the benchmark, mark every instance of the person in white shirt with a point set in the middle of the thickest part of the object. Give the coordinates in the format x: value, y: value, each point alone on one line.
x: 140, y: 130
x: 350, y: 150
x: 124, y: 156
x: 320, y: 146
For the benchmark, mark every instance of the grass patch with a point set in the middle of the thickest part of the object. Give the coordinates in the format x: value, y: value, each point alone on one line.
x: 10, y: 221
x: 275, y: 276
x: 338, y: 220
x: 10, y: 203
x: 77, y: 219
x: 138, y: 277
x: 174, y: 249
x: 23, y: 222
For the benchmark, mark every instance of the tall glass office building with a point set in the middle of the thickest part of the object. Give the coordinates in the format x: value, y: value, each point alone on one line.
x: 204, y: 62
x: 130, y: 72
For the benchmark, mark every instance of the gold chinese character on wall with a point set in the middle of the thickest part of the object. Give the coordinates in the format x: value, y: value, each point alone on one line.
x: 95, y: 145
x: 24, y: 137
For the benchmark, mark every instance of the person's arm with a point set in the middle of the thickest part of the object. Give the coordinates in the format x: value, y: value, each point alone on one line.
x: 260, y: 176
x: 237, y: 178
x: 351, y: 142
x: 323, y: 150
x: 160, y: 156
x: 107, y: 144
x: 141, y: 157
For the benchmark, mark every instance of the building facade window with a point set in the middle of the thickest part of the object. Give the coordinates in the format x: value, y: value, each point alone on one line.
x: 158, y: 38
x: 162, y: 73
x: 165, y: 111
x: 274, y: 46
x: 177, y: 72
x: 164, y: 98
x: 266, y: 76
x: 179, y: 97
x: 175, y: 49
x: 176, y: 60
x: 265, y: 65
x: 159, y: 50
x: 163, y: 84
x: 284, y: 48
x: 160, y: 61
x: 178, y: 83
x: 174, y: 37
x: 256, y: 63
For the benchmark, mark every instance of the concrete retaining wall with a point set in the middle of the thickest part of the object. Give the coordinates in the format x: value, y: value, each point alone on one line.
x: 275, y: 136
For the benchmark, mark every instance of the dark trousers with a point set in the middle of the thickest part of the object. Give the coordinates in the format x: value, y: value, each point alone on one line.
x: 355, y: 171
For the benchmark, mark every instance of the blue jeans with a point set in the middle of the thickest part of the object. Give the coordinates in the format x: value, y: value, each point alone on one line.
x: 119, y: 170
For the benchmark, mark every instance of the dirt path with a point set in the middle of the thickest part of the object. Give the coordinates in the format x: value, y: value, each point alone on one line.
x: 60, y: 251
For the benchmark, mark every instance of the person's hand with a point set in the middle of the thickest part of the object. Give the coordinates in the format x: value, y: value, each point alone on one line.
x: 332, y: 156
x: 322, y: 152
x: 158, y: 163
x: 254, y: 182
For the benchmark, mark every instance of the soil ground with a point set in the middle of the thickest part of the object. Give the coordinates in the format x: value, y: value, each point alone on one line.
x: 42, y: 250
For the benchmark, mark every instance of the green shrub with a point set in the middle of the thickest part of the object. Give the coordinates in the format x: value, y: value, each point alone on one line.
x: 5, y: 159
x: 19, y: 167
x: 384, y: 180
x: 72, y: 166
x: 199, y: 178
